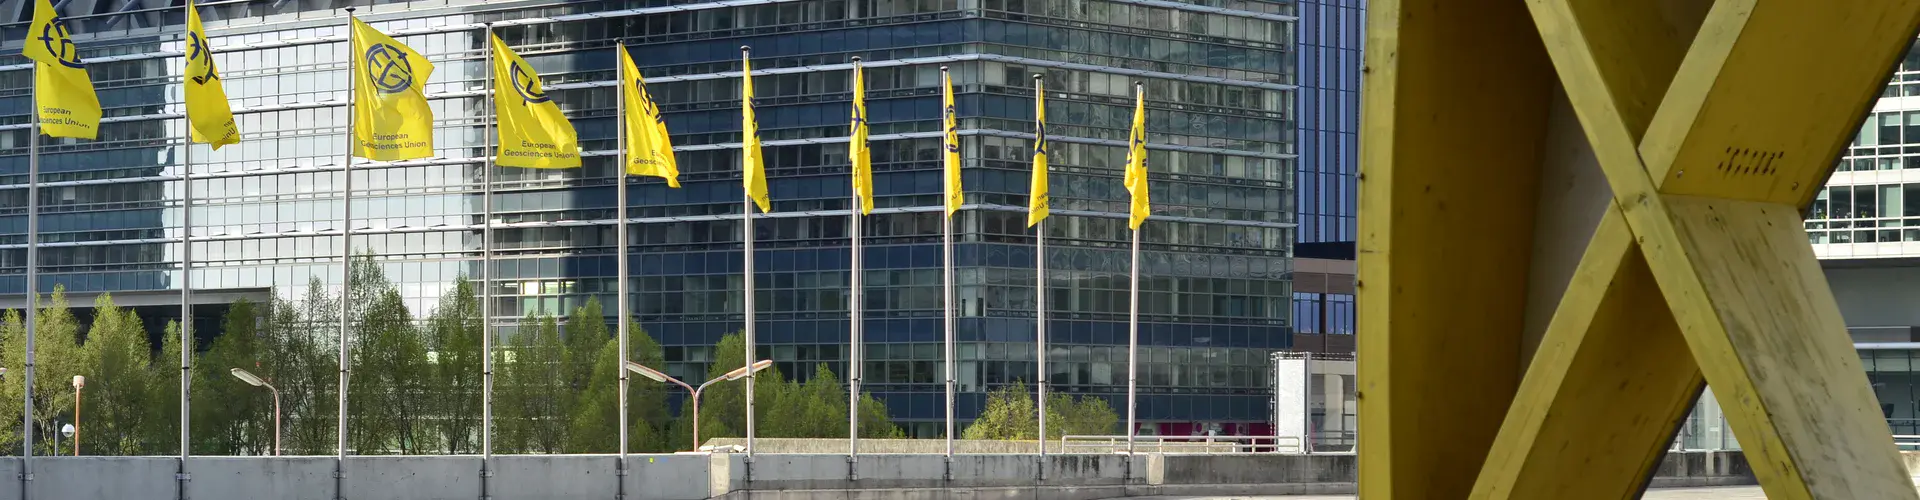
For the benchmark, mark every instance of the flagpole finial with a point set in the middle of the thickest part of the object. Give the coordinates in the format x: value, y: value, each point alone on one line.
x: 745, y: 49
x: 943, y: 68
x: 856, y: 59
x: 350, y: 11
x: 1036, y: 77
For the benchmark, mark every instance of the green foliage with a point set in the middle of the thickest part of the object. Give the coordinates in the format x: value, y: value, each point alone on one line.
x: 229, y: 416
x: 115, y: 399
x: 596, y: 418
x: 816, y: 408
x: 1010, y: 414
x: 529, y: 390
x: 453, y: 333
x: 160, y: 431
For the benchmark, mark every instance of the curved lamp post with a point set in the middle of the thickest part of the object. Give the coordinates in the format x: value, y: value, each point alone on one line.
x: 256, y: 381
x: 736, y: 374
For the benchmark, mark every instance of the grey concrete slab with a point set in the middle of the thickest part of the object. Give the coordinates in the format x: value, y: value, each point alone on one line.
x: 553, y: 477
x: 102, y: 478
x: 413, y: 478
x: 668, y: 476
x: 290, y: 478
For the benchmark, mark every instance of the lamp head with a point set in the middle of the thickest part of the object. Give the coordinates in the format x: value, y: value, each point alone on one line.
x: 742, y: 372
x: 646, y: 372
x: 66, y: 430
x: 79, y: 381
x: 248, y: 377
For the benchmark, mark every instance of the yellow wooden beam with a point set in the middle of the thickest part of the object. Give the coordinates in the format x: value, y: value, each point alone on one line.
x: 1601, y: 397
x: 1456, y: 107
x: 1725, y: 267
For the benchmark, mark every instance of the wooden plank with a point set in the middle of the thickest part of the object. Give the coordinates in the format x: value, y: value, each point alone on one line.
x: 1786, y: 371
x: 1602, y: 396
x: 1457, y: 104
x: 1770, y: 93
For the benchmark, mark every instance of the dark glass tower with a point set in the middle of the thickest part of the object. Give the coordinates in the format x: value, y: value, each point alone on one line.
x: 1220, y: 78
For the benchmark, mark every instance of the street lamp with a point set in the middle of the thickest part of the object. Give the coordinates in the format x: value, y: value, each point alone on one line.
x: 73, y: 430
x: 256, y: 381
x: 736, y: 374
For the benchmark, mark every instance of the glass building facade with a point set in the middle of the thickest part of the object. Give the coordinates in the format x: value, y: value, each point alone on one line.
x: 1220, y: 78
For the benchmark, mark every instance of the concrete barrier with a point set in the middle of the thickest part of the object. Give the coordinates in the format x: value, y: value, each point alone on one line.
x: 290, y: 478
x: 102, y: 478
x: 411, y: 478
x: 730, y: 476
x: 671, y: 476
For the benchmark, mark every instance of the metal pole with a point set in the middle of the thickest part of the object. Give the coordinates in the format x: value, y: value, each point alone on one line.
x: 76, y: 420
x: 746, y: 233
x: 276, y: 418
x: 186, y: 283
x: 946, y: 238
x: 346, y: 269
x: 33, y: 232
x: 620, y: 255
x: 1133, y: 348
x: 1040, y: 294
x: 486, y: 276
x: 855, y: 277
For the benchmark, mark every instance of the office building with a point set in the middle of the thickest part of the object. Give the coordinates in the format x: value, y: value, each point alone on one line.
x: 1332, y: 33
x: 1219, y: 75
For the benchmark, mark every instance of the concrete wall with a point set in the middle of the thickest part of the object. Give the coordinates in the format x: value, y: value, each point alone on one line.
x: 961, y: 446
x: 772, y: 476
x: 1876, y: 296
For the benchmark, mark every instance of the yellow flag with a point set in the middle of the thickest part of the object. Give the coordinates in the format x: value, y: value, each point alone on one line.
x: 952, y: 121
x: 534, y: 133
x: 62, y: 90
x: 209, y: 116
x: 752, y: 161
x: 857, y: 148
x: 1037, y: 201
x: 649, y: 152
x: 1136, y: 179
x: 391, y: 120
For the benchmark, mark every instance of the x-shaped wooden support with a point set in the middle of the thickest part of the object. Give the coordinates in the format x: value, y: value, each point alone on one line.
x: 1713, y: 122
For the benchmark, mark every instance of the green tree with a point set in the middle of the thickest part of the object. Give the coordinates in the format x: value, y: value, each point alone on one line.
x: 229, y: 416
x: 160, y: 430
x: 596, y: 418
x: 306, y: 361
x: 585, y: 333
x: 454, y: 331
x: 388, y: 398
x: 723, y: 407
x: 57, y: 358
x: 117, y: 365
x: 533, y: 375
x: 1010, y: 415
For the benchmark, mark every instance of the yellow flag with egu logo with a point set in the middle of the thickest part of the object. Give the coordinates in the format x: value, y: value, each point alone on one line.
x: 1039, y: 205
x: 649, y: 151
x: 63, y: 93
x: 391, y: 120
x: 950, y: 120
x: 534, y: 133
x: 1136, y: 176
x: 209, y: 116
x: 753, y: 160
x: 857, y: 148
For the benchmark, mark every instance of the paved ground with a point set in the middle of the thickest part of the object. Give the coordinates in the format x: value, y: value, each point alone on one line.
x: 1727, y: 493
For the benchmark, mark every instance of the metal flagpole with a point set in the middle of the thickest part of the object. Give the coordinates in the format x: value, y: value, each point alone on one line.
x: 186, y: 272
x: 1133, y: 321
x: 746, y: 233
x: 854, y: 309
x: 946, y: 238
x: 620, y: 249
x: 486, y: 275
x: 1040, y: 286
x: 33, y: 231
x: 346, y: 266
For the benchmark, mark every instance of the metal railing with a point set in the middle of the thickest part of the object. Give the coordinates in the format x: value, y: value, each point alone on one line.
x: 1183, y: 444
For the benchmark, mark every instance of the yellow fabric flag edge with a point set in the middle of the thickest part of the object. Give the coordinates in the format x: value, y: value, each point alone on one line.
x: 753, y: 163
x: 858, y: 150
x: 951, y: 118
x: 649, y: 148
x: 392, y: 122
x: 65, y: 102
x: 534, y: 132
x: 1136, y: 176
x: 1039, y: 204
x: 209, y: 113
